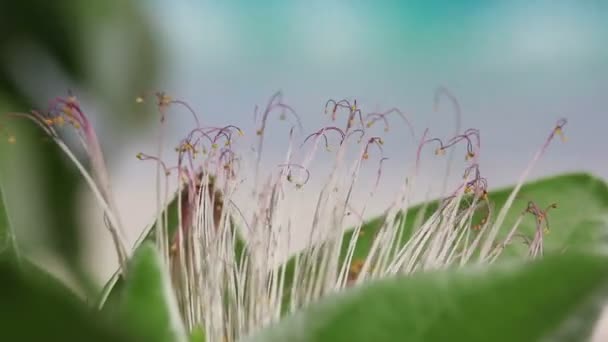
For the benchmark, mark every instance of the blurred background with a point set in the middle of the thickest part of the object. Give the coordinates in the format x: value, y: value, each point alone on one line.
x: 516, y: 67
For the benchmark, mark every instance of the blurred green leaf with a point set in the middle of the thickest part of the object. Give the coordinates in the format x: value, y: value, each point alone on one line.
x: 197, y: 335
x: 7, y: 238
x: 73, y: 35
x: 52, y: 205
x: 541, y: 299
x: 149, y: 304
x: 109, y: 50
x: 36, y: 307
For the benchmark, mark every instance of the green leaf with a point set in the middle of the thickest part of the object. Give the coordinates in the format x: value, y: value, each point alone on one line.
x: 541, y: 299
x: 7, y: 237
x: 197, y: 335
x: 70, y: 34
x: 149, y: 304
x: 36, y: 307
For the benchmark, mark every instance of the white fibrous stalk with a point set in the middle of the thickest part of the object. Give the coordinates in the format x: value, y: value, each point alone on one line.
x: 227, y: 249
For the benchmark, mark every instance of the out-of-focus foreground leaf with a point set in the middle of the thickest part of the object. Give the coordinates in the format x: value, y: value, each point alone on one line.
x: 37, y: 307
x: 554, y: 298
x: 107, y: 50
x: 148, y: 302
x: 7, y: 238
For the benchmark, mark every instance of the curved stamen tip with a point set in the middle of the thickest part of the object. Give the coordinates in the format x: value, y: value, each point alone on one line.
x: 164, y: 100
x: 559, y: 129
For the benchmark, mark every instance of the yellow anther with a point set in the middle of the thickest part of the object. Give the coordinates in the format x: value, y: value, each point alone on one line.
x: 380, y: 141
x: 469, y: 156
x: 227, y: 143
x: 365, y: 156
x: 561, y: 134
x: 370, y: 124
x: 356, y: 266
x: 440, y: 151
x: 468, y: 189
x: 12, y: 139
x: 299, y: 186
x: 139, y: 99
x: 241, y: 133
x: 214, y: 146
x: 546, y: 231
x: 59, y: 120
x: 258, y: 132
x: 164, y: 100
x: 67, y: 110
x: 139, y: 156
x: 49, y: 122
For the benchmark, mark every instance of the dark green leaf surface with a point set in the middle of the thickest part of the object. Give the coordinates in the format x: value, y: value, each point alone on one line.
x: 6, y: 232
x: 148, y: 302
x: 529, y: 302
x: 37, y: 307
